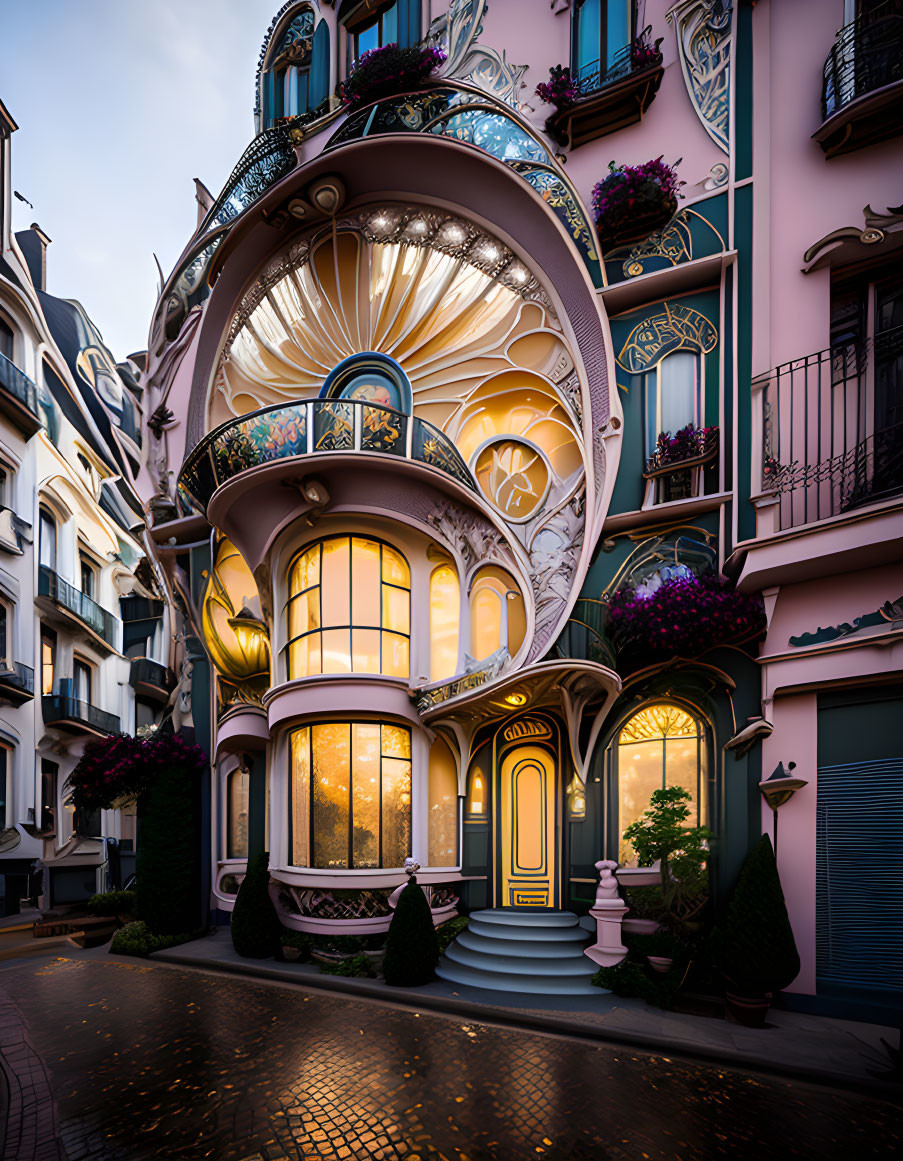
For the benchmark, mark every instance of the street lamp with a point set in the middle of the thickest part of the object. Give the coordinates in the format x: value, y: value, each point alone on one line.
x: 779, y: 788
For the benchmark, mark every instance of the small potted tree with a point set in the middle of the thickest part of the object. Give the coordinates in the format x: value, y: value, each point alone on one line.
x: 757, y: 953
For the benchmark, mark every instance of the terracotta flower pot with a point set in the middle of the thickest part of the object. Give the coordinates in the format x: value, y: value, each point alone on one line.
x: 750, y: 1011
x: 291, y: 954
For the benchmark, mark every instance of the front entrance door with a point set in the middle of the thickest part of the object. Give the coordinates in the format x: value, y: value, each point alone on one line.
x: 527, y: 819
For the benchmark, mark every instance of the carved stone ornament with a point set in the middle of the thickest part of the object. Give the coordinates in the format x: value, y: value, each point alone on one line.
x: 456, y: 32
x: 703, y: 30
x: 879, y: 232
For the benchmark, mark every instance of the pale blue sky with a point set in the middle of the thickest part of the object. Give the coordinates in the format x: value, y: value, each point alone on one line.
x: 120, y: 104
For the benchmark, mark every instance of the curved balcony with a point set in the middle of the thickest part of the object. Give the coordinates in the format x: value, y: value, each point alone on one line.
x: 862, y: 94
x: 18, y: 398
x: 315, y: 427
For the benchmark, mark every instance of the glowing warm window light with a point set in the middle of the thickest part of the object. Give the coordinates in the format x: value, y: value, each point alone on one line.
x: 445, y: 615
x: 442, y: 838
x: 476, y: 802
x: 342, y: 814
x: 497, y: 615
x: 349, y: 609
x: 660, y: 746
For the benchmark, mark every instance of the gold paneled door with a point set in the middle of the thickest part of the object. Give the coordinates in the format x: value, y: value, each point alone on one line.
x: 527, y: 820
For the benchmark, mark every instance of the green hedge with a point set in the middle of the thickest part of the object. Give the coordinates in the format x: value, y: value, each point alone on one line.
x: 137, y: 939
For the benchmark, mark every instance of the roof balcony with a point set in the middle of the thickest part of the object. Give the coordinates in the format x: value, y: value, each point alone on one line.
x: 862, y: 93
x: 18, y: 398
x: 315, y: 433
x: 74, y: 716
x: 59, y: 597
x: 16, y: 682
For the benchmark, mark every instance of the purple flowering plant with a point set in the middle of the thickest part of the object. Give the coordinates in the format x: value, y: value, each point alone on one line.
x: 561, y: 89
x: 630, y: 192
x: 119, y: 769
x: 686, y: 444
x: 382, y: 72
x: 643, y: 53
x: 684, y: 617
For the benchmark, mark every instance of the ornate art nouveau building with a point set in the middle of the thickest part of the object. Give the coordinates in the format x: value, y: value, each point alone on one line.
x: 403, y: 460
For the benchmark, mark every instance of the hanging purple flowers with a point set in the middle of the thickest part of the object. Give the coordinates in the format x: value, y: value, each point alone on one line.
x: 117, y: 770
x: 387, y: 70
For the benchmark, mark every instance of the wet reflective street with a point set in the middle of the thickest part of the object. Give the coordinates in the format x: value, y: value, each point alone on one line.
x: 156, y: 1062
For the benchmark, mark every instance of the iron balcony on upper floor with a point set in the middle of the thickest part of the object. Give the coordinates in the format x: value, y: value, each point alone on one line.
x: 862, y: 93
x: 315, y: 428
x: 18, y: 398
x: 832, y: 430
x: 16, y: 682
x: 76, y: 606
x: 151, y: 679
x: 75, y: 716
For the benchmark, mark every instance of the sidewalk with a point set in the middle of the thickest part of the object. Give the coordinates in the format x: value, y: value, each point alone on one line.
x: 812, y: 1048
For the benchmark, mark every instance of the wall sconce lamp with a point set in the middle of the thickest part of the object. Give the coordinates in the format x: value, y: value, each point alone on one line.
x: 779, y: 788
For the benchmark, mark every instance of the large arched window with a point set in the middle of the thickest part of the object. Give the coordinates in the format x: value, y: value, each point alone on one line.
x: 350, y: 795
x: 445, y: 616
x: 662, y: 745
x: 497, y: 614
x: 349, y: 609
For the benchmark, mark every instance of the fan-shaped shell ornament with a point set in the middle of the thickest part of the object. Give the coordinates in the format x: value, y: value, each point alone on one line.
x: 474, y: 334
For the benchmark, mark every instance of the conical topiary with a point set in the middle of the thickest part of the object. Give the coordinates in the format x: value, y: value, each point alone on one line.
x: 758, y: 952
x: 255, y: 924
x: 412, y: 949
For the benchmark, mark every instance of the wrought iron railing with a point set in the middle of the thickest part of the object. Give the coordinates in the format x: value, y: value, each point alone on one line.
x: 87, y: 610
x: 832, y: 433
x: 137, y: 608
x: 315, y: 427
x: 17, y: 384
x: 268, y: 158
x: 636, y: 57
x: 867, y: 55
x: 56, y: 707
x: 17, y: 675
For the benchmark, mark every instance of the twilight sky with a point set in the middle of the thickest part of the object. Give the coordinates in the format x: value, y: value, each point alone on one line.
x: 120, y: 104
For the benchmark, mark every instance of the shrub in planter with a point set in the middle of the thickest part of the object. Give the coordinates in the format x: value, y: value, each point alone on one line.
x: 757, y: 953
x: 381, y: 72
x: 561, y: 88
x: 296, y: 945
x: 412, y: 949
x: 634, y: 200
x: 256, y: 929
x: 683, y: 617
x: 137, y: 939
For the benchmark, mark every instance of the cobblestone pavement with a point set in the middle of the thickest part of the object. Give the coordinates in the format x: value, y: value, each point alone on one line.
x: 147, y: 1061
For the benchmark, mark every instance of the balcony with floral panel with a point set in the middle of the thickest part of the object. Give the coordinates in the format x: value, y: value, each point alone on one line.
x: 602, y: 95
x: 862, y: 90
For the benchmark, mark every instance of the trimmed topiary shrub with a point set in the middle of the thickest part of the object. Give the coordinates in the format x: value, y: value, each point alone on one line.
x: 412, y: 950
x: 256, y: 930
x: 757, y: 952
x: 112, y: 903
x: 137, y: 939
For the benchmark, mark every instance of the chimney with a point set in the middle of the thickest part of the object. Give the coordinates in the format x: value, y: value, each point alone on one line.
x: 33, y: 243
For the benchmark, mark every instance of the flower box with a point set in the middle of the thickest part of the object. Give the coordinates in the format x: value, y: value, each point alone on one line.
x: 634, y: 201
x: 383, y: 72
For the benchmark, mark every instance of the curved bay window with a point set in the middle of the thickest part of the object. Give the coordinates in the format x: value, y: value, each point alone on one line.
x: 349, y: 609
x: 497, y: 616
x: 350, y: 795
x: 660, y: 746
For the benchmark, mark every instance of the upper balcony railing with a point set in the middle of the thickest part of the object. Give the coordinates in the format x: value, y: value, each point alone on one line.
x: 16, y: 384
x: 17, y: 678
x: 268, y: 158
x: 867, y: 55
x: 315, y: 427
x: 88, y: 611
x: 833, y: 429
x: 70, y: 712
x: 637, y: 57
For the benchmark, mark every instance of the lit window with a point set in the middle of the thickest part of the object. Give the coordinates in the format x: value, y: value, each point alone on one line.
x: 48, y: 660
x: 237, y: 801
x: 443, y: 806
x: 658, y: 747
x: 601, y: 29
x: 349, y: 609
x: 476, y: 792
x: 497, y: 615
x: 351, y: 795
x: 445, y: 615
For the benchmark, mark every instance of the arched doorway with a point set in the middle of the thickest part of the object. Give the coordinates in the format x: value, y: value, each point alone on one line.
x: 527, y: 818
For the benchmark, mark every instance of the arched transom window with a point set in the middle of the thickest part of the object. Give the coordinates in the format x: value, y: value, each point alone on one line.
x: 349, y: 609
x: 661, y: 745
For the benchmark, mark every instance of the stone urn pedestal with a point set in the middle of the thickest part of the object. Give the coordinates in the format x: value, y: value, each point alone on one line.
x: 608, y: 911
